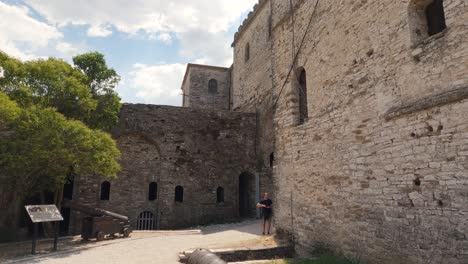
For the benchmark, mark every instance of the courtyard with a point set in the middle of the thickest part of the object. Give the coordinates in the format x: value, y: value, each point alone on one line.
x: 154, y: 247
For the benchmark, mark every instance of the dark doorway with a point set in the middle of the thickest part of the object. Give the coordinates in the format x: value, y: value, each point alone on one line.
x: 245, y: 194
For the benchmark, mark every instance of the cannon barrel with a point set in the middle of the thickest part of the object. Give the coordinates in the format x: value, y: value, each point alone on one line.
x: 92, y: 211
x: 204, y: 256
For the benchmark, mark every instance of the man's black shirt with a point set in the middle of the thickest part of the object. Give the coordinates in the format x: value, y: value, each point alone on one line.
x: 267, y: 203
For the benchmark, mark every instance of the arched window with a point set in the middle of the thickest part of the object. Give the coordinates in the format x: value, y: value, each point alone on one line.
x: 179, y: 194
x: 153, y: 191
x: 272, y: 159
x: 303, y: 107
x: 426, y: 18
x: 105, y: 191
x: 220, y: 195
x: 247, y: 52
x: 212, y: 86
x: 435, y: 16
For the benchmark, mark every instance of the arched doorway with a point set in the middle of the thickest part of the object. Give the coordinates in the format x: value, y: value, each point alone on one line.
x: 146, y: 221
x: 246, y: 195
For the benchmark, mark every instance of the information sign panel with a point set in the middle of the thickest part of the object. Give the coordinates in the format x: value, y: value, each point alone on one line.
x: 43, y: 213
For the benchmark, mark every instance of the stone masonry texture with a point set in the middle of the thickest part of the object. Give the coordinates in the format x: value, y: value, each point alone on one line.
x: 195, y: 87
x: 199, y: 150
x: 378, y: 172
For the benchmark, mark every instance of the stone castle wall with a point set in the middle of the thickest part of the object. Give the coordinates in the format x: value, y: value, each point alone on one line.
x: 251, y: 83
x: 252, y: 86
x: 379, y: 170
x: 199, y: 150
x: 195, y: 87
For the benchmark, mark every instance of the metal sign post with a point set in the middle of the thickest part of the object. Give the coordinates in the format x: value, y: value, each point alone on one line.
x: 41, y: 214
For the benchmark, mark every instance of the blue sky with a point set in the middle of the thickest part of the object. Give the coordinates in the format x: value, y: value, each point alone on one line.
x: 148, y: 42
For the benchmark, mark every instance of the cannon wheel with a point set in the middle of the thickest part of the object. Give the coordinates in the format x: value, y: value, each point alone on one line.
x: 126, y: 232
x: 100, y: 236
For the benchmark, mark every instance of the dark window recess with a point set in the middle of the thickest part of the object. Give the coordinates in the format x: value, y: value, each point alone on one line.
x: 303, y: 107
x: 220, y: 195
x: 212, y: 86
x: 105, y: 191
x: 247, y: 52
x: 179, y: 194
x: 153, y: 191
x: 435, y: 16
x: 68, y: 190
x: 272, y: 159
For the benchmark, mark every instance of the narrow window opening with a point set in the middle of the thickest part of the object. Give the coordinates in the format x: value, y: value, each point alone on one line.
x: 247, y: 52
x: 272, y: 159
x: 220, y: 195
x: 212, y: 86
x: 435, y: 16
x: 303, y: 107
x: 105, y: 191
x: 426, y: 18
x: 153, y: 191
x: 179, y: 194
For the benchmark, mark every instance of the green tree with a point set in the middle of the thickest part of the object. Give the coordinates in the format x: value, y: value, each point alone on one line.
x: 48, y: 83
x: 45, y: 146
x: 84, y: 92
x: 102, y: 80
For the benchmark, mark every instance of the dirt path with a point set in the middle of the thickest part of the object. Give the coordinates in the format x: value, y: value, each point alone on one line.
x: 162, y: 249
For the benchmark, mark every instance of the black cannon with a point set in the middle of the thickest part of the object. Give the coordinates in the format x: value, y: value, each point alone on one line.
x: 98, y: 223
x: 204, y: 256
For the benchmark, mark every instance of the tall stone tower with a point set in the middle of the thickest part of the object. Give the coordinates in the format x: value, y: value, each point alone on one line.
x: 207, y: 87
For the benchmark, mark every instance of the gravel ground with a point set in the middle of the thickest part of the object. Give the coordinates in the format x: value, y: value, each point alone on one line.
x: 160, y: 249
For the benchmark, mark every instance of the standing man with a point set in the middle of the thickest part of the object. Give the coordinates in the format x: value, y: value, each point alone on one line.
x: 265, y: 204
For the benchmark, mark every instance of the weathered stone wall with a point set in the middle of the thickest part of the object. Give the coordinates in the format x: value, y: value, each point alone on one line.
x: 199, y: 150
x: 252, y: 79
x: 195, y: 87
x: 252, y: 85
x: 379, y: 170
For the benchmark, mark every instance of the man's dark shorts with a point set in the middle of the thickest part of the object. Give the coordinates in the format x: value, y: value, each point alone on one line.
x: 266, y: 216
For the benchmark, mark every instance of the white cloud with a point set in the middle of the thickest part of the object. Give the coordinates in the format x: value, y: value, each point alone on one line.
x: 201, y: 25
x: 156, y: 84
x: 147, y: 15
x: 22, y: 36
x: 66, y: 48
x: 165, y: 37
x: 99, y: 31
x: 206, y: 48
